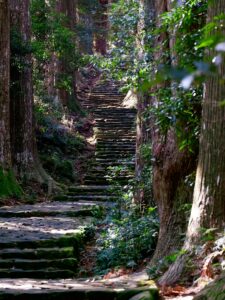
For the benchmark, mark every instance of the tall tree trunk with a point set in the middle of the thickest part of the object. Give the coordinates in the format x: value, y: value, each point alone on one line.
x: 86, y: 23
x: 24, y: 150
x: 101, y: 23
x: 208, y: 210
x: 5, y: 158
x: 58, y: 66
x: 146, y: 19
x: 170, y: 166
x: 8, y: 184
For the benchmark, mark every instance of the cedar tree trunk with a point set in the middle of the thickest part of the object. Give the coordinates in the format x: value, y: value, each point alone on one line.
x: 170, y: 165
x: 5, y: 158
x: 24, y: 150
x: 208, y: 210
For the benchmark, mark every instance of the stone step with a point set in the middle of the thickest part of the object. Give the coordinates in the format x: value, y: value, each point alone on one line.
x: 113, y: 160
x: 39, y: 232
x: 100, y: 150
x: 114, y: 135
x: 116, y: 128
x: 115, y: 122
x: 93, y: 181
x: 88, y: 187
x: 38, y: 253
x: 116, y: 140
x: 50, y: 209
x: 75, y: 197
x: 39, y: 274
x: 100, y: 181
x: 114, y: 147
x: 70, y: 289
x: 37, y: 264
x: 94, y: 173
x: 117, y: 111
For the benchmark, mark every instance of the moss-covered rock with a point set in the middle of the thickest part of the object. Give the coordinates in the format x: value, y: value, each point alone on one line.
x: 9, y: 187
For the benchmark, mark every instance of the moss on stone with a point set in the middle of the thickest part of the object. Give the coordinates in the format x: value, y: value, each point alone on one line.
x: 9, y: 187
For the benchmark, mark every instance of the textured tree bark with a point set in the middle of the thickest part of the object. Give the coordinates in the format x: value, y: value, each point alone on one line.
x: 208, y: 210
x: 101, y: 23
x: 86, y: 22
x: 24, y: 150
x: 146, y: 19
x: 57, y: 67
x: 5, y: 157
x: 67, y: 8
x: 170, y: 166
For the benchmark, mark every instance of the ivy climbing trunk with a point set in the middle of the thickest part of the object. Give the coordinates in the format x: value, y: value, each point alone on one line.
x: 208, y: 209
x: 24, y: 150
x: 170, y: 165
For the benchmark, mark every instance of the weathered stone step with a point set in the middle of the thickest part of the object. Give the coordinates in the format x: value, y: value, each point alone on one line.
x: 118, y: 111
x: 124, y: 174
x: 48, y: 209
x: 38, y: 253
x: 92, y: 193
x: 112, y: 160
x: 114, y: 121
x: 109, y: 151
x: 37, y: 264
x: 112, y: 128
x: 121, y: 146
x: 39, y: 274
x: 113, y: 156
x: 114, y: 148
x: 121, y: 180
x: 115, y: 140
x: 69, y: 289
x: 111, y: 135
x: 75, y: 197
x: 114, y: 164
x: 47, y: 232
x: 89, y: 188
x: 106, y: 98
x: 119, y: 117
x: 126, y: 143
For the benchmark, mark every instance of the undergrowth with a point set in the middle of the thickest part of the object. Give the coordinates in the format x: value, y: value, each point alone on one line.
x: 59, y: 141
x: 128, y: 236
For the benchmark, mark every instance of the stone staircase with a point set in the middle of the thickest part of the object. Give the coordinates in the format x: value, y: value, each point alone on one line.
x: 115, y: 143
x: 40, y: 244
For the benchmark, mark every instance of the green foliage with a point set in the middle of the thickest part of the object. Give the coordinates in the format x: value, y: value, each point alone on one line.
x: 180, y: 111
x: 59, y: 144
x: 127, y: 236
x: 19, y: 50
x: 121, y: 61
x: 52, y: 36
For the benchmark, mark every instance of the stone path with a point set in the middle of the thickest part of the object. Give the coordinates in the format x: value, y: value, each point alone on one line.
x: 40, y: 244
